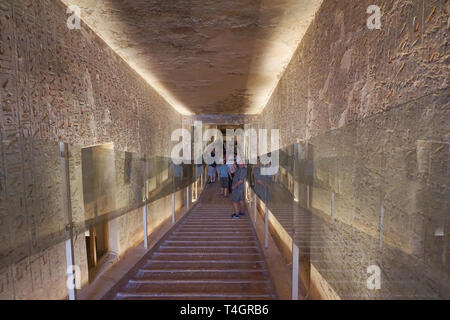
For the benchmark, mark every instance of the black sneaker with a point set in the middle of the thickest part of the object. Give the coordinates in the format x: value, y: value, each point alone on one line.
x: 241, y: 213
x: 235, y: 216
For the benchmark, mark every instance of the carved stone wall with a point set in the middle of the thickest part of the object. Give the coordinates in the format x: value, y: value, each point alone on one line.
x: 58, y: 84
x: 374, y: 106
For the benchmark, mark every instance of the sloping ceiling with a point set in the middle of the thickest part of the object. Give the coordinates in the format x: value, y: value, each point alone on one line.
x: 204, y: 56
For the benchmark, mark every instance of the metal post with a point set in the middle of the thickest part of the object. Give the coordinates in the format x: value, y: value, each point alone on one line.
x: 249, y: 193
x: 307, y: 196
x: 93, y: 246
x: 70, y: 258
x: 196, y: 190
x: 173, y: 207
x: 295, y: 255
x: 188, y: 196
x: 144, y: 209
x: 294, y: 171
x: 201, y: 180
x: 255, y: 205
x: 295, y: 251
x: 245, y: 192
x: 266, y: 228
x: 205, y: 178
x: 144, y: 216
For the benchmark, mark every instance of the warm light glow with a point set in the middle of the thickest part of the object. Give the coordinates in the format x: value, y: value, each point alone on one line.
x: 279, y: 48
x: 162, y: 91
x: 274, y: 44
x: 143, y: 72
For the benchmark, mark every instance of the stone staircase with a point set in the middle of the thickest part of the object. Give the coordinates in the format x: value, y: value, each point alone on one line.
x: 208, y: 255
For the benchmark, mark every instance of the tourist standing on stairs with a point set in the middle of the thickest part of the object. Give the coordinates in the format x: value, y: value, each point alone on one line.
x: 224, y: 173
x: 237, y: 194
x: 212, y: 169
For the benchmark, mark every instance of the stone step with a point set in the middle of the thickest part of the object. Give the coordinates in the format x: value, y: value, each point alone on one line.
x: 213, y: 233
x: 199, y: 286
x: 218, y: 250
x: 214, y: 243
x: 204, y: 256
x: 211, y: 238
x: 192, y: 296
x: 202, y: 274
x: 206, y: 225
x: 206, y: 265
x: 214, y: 229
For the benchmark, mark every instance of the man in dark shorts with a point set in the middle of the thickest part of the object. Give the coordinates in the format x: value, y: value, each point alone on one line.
x: 224, y: 173
x: 237, y: 194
